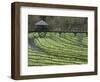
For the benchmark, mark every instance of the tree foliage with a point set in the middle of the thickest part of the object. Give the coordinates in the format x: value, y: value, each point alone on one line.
x: 59, y: 23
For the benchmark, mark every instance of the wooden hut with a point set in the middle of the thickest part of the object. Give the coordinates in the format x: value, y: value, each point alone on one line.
x: 41, y: 26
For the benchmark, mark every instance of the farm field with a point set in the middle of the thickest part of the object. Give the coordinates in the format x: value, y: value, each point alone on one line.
x: 55, y: 49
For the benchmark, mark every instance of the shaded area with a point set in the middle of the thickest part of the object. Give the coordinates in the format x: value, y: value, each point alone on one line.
x: 57, y: 24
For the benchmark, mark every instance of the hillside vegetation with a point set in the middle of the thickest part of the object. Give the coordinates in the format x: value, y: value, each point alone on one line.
x: 56, y: 50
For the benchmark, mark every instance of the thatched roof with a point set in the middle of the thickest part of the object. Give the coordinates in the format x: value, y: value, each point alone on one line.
x: 41, y: 22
